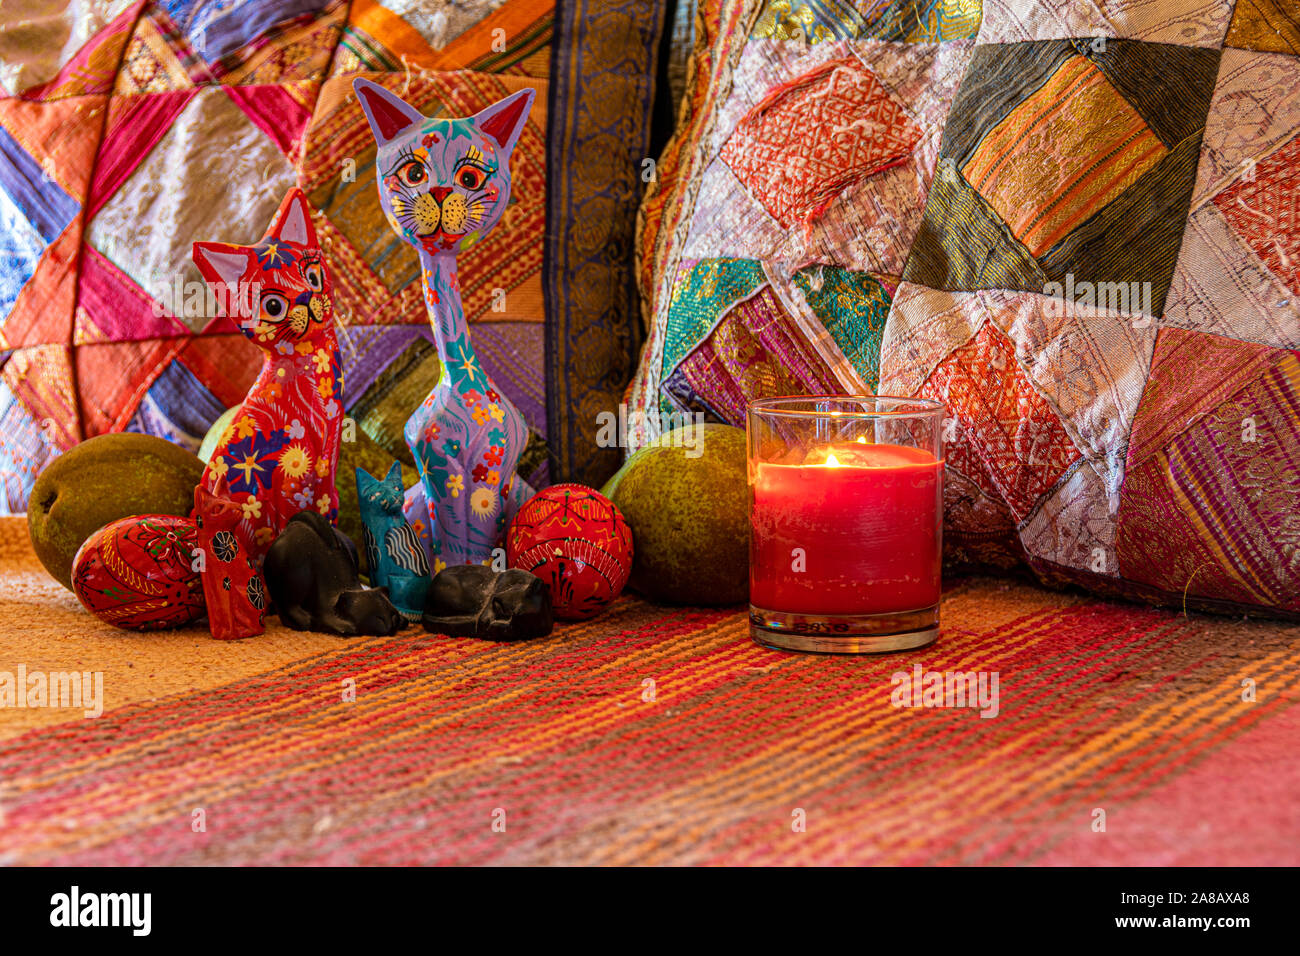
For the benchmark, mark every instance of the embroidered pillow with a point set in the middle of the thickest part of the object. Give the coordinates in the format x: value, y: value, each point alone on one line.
x: 1082, y: 229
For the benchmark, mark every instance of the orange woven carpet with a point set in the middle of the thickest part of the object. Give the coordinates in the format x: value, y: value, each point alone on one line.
x: 655, y: 735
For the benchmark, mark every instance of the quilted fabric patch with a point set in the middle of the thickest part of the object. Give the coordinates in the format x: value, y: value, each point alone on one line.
x: 1210, y: 499
x: 753, y: 352
x: 866, y: 220
x: 1049, y: 145
x: 1062, y: 159
x: 1184, y: 22
x: 1271, y: 26
x: 1016, y: 446
x: 1263, y: 209
x: 1236, y: 274
x: 805, y: 142
x: 912, y: 21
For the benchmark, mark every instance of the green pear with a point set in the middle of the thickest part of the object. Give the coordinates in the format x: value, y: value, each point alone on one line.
x: 213, y: 438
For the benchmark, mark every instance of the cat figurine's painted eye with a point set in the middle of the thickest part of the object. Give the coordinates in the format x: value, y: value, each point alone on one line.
x: 274, y: 306
x: 314, y: 273
x: 412, y: 173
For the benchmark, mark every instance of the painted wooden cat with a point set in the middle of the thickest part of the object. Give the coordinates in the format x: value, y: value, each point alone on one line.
x: 280, y: 453
x: 234, y: 590
x: 443, y: 183
x: 394, y: 552
x: 311, y: 575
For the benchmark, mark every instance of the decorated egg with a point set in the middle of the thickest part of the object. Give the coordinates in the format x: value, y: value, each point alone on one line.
x: 138, y: 573
x: 574, y: 539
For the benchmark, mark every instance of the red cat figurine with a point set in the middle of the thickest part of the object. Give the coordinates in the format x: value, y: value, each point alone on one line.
x: 280, y: 453
x: 233, y: 588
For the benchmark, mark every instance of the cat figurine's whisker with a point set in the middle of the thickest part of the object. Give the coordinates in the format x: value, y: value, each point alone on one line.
x: 443, y: 183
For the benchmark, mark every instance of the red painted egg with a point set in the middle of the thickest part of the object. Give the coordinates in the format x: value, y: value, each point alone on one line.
x: 574, y: 539
x: 137, y: 573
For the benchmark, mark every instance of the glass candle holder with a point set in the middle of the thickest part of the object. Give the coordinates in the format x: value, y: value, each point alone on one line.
x: 846, y: 522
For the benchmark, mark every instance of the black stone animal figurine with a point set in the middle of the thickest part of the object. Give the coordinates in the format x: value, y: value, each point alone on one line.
x: 311, y: 572
x: 471, y: 600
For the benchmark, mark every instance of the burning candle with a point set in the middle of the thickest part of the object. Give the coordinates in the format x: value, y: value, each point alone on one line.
x: 846, y: 511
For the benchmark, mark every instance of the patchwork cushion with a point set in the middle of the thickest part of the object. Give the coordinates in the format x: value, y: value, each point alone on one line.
x: 1075, y: 224
x: 131, y: 128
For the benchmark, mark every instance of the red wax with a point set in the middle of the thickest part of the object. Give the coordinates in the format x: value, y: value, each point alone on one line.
x: 867, y: 532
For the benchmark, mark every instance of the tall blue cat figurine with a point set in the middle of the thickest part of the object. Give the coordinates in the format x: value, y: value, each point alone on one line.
x: 443, y: 183
x: 394, y: 554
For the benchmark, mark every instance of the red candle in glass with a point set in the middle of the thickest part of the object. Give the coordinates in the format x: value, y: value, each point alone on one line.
x: 857, y: 534
x: 846, y: 516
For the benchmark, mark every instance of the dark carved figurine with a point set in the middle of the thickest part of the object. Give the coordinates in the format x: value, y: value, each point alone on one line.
x: 311, y: 572
x: 471, y: 600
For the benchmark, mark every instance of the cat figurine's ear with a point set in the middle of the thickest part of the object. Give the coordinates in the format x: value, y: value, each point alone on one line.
x: 503, y: 121
x: 394, y: 476
x: 221, y: 487
x: 212, y: 497
x: 221, y: 263
x: 205, y: 498
x: 224, y: 267
x: 203, y: 501
x: 365, y: 482
x: 388, y: 114
x: 292, y: 221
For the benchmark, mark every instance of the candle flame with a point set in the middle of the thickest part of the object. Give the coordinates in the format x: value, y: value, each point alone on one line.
x: 831, y: 460
x: 862, y: 439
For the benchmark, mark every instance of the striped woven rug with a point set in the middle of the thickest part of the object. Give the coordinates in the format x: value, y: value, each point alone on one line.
x: 655, y: 735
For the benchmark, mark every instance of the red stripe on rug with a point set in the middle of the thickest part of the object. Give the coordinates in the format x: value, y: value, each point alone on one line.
x: 1238, y: 804
x: 296, y: 702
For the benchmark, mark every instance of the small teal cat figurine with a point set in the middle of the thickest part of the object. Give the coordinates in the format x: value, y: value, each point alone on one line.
x: 443, y: 183
x: 394, y: 553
